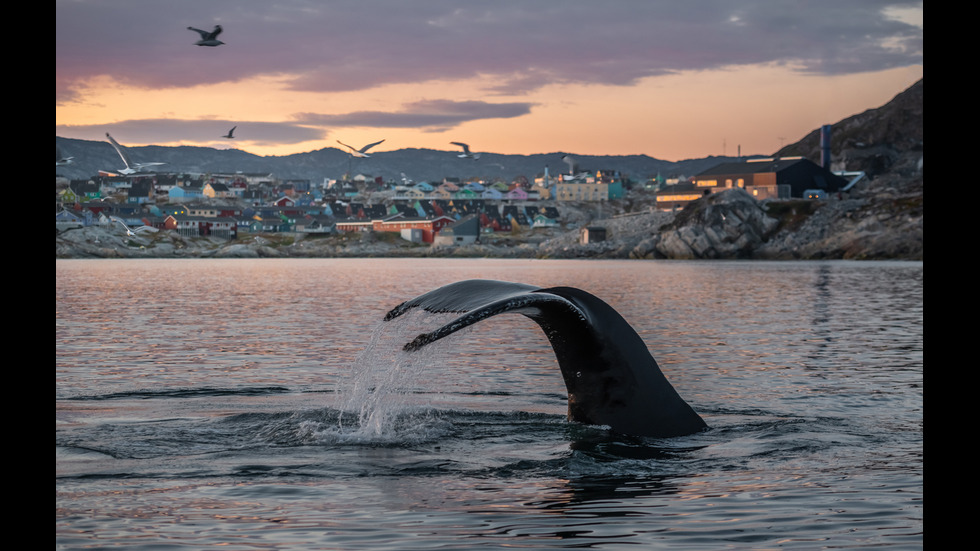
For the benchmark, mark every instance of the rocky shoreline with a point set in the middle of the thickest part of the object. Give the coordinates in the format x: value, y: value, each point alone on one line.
x: 881, y: 219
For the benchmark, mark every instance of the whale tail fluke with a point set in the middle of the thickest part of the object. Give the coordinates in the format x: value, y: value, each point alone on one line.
x: 611, y: 377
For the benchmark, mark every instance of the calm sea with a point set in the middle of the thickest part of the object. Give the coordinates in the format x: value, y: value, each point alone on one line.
x: 261, y: 404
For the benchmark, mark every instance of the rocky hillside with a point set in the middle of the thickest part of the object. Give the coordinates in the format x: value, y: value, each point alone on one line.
x: 886, y: 140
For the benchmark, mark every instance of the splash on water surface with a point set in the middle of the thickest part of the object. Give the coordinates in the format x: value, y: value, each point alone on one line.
x: 383, y: 401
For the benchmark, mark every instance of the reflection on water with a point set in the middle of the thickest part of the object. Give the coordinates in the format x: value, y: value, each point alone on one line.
x: 259, y: 403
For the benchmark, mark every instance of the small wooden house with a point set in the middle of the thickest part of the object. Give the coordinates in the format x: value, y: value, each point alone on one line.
x: 592, y: 234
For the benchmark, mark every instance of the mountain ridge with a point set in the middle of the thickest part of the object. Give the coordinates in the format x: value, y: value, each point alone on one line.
x: 418, y: 164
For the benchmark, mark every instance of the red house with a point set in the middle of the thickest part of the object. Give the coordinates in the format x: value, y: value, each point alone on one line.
x: 429, y: 226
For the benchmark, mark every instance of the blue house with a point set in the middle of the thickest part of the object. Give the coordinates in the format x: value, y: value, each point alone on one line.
x: 71, y: 219
x: 183, y: 194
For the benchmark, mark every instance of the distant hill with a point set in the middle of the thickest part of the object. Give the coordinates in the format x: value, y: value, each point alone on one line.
x: 415, y: 164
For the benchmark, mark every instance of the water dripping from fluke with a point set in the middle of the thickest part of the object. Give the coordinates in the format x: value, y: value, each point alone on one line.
x: 378, y: 401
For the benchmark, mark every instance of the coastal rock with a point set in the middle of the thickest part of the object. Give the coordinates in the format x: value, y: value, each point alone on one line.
x: 729, y: 224
x: 237, y: 250
x: 880, y: 221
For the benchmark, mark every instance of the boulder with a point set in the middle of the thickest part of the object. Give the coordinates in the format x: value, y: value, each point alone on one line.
x: 728, y: 224
x: 237, y: 250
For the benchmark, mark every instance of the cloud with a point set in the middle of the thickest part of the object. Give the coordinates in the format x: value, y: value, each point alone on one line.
x: 160, y: 131
x: 426, y: 114
x: 521, y: 45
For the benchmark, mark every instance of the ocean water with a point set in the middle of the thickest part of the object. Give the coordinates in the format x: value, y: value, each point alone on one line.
x: 262, y: 404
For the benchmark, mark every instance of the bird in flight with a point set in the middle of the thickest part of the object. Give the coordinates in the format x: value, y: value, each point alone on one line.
x: 59, y: 159
x: 230, y: 134
x: 130, y: 232
x: 208, y: 38
x: 131, y: 167
x: 466, y: 151
x: 362, y: 152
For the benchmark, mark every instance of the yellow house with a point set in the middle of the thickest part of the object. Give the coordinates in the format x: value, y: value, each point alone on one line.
x: 581, y: 191
x: 214, y: 189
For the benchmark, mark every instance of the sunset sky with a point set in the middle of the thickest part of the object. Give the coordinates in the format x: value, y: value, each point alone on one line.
x: 672, y: 80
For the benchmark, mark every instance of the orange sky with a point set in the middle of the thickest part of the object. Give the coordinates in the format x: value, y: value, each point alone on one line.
x: 672, y: 117
x: 678, y: 114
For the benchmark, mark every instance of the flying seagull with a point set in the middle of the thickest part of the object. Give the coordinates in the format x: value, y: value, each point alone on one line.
x: 466, y: 151
x: 230, y: 133
x: 208, y: 38
x: 362, y: 152
x: 59, y: 159
x: 130, y: 232
x: 131, y: 167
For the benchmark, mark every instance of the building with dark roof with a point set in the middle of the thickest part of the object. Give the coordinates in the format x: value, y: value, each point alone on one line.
x: 464, y: 231
x: 779, y: 178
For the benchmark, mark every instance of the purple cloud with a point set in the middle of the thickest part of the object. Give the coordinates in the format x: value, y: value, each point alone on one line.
x: 429, y: 114
x: 524, y: 45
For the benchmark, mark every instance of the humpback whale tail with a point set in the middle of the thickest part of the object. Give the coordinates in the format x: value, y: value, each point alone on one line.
x: 611, y: 377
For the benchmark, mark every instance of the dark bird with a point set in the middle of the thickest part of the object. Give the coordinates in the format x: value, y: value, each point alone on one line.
x: 466, y: 151
x: 208, y: 38
x: 230, y: 134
